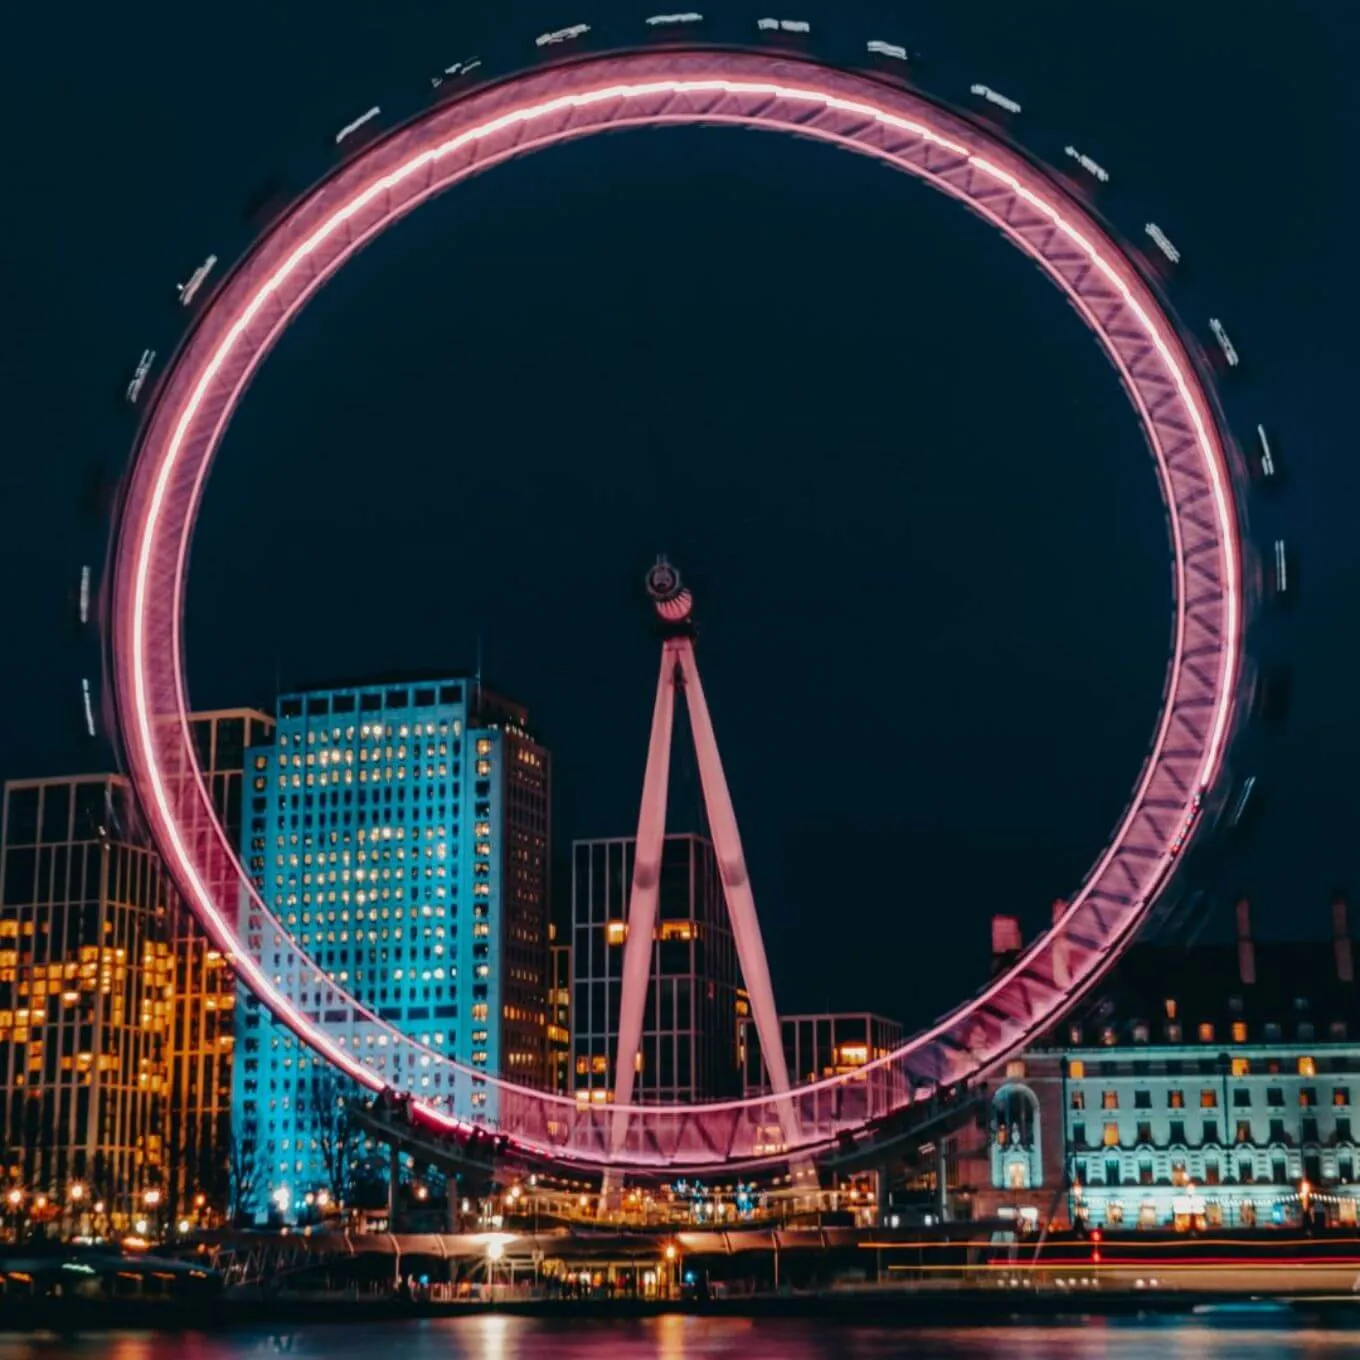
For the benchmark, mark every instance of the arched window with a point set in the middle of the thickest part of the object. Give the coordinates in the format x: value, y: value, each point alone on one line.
x: 1015, y: 1153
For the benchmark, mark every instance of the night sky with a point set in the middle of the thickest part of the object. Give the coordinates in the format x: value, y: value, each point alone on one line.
x: 923, y: 527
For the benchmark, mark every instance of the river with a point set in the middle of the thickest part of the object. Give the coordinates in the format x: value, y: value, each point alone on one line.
x: 498, y: 1337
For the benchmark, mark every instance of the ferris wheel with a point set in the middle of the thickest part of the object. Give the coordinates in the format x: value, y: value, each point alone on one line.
x: 393, y: 175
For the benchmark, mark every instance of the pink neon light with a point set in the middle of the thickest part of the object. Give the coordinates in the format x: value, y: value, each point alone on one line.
x: 645, y: 889
x: 326, y: 229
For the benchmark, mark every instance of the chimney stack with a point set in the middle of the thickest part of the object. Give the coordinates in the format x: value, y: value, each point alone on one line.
x: 1006, y: 942
x: 1341, y: 939
x: 1246, y: 951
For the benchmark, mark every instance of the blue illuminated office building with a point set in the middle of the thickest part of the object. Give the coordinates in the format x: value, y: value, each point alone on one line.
x: 419, y: 808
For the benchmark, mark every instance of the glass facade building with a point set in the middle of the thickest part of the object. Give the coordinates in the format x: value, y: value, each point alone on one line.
x: 399, y: 832
x: 689, y: 1038
x: 115, y: 1015
x: 86, y: 990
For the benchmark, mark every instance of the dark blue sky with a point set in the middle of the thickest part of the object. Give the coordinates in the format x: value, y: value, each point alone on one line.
x: 926, y: 534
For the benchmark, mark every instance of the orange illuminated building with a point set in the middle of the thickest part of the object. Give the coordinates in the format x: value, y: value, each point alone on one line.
x: 85, y: 994
x: 115, y: 1016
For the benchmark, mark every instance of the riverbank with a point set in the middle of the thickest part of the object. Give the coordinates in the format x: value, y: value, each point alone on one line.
x: 880, y: 1307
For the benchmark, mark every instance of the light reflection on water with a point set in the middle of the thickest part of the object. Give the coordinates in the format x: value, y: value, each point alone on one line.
x: 497, y: 1337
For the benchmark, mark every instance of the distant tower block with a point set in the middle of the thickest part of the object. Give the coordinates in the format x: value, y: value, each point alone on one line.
x: 674, y: 607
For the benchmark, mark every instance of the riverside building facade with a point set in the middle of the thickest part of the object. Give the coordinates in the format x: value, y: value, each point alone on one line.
x: 1204, y: 1087
x: 115, y: 1014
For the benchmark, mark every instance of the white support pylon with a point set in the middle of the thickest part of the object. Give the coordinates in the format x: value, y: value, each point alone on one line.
x: 679, y: 668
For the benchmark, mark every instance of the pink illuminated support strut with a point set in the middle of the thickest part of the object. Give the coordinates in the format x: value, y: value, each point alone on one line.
x: 642, y: 898
x: 540, y: 109
x: 679, y: 669
x: 741, y: 902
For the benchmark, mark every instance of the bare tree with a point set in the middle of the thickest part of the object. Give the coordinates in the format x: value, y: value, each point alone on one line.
x: 334, y: 1132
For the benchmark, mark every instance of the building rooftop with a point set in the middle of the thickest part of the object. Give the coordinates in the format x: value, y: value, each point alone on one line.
x: 1218, y: 994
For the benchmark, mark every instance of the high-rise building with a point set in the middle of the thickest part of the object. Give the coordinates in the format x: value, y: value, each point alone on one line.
x: 559, y: 1013
x: 404, y: 827
x: 198, y: 1138
x: 86, y: 985
x: 689, y: 1039
x: 115, y: 1012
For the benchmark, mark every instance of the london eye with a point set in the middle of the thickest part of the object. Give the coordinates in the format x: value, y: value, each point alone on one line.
x: 535, y: 111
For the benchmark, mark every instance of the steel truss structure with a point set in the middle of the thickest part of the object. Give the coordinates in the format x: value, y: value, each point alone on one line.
x: 680, y: 671
x: 541, y: 109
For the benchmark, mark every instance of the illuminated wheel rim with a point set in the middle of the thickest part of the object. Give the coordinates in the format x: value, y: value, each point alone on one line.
x: 541, y: 109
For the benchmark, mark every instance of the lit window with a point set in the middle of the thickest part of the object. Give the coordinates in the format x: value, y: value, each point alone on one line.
x: 1076, y: 1069
x: 1111, y: 1135
x: 1307, y: 1067
x: 1109, y: 1100
x: 1016, y: 1070
x: 1206, y: 1033
x: 1208, y: 1099
x: 1239, y: 1032
x: 1241, y: 1067
x: 616, y: 932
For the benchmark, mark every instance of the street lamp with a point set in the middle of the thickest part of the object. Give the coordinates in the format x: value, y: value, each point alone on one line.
x: 77, y: 1192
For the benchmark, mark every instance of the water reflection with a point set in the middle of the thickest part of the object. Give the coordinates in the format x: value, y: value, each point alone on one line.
x: 497, y: 1337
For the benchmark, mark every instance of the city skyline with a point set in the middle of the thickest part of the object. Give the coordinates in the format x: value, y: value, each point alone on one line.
x: 393, y: 958
x: 951, y: 685
x: 727, y: 525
